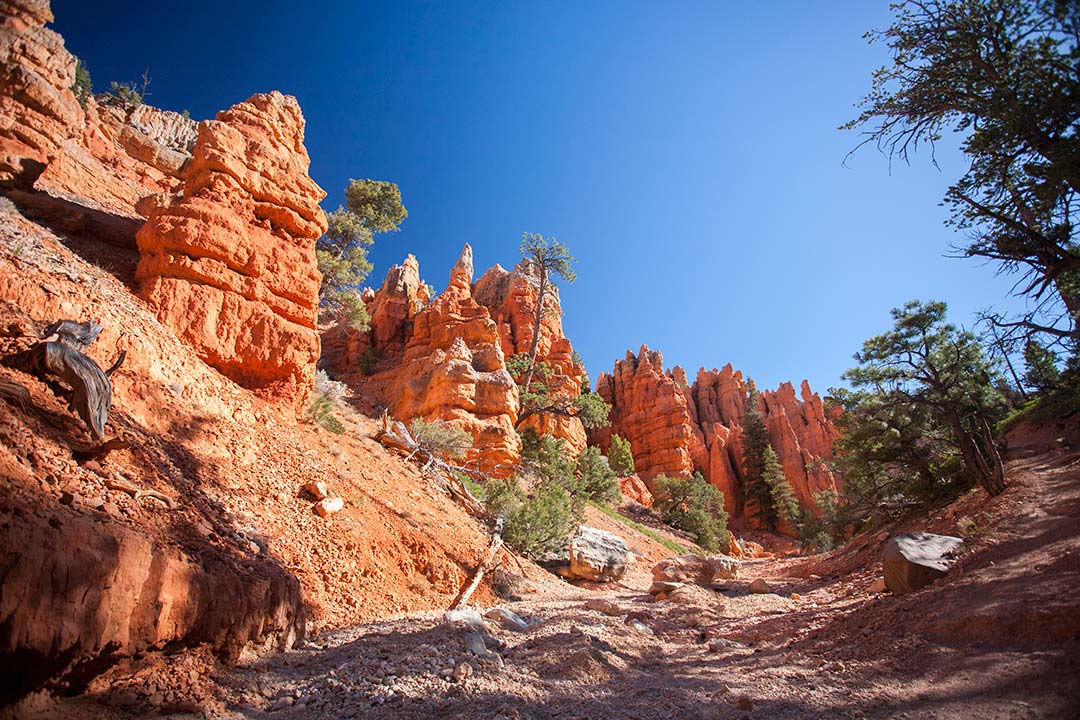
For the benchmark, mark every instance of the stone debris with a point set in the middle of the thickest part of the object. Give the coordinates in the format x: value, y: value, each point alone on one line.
x: 466, y: 616
x: 317, y: 489
x: 760, y: 586
x: 509, y: 619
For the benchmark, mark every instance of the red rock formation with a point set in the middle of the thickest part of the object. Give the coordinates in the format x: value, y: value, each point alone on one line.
x: 511, y: 297
x: 802, y: 434
x: 38, y: 110
x: 676, y: 430
x: 650, y: 409
x: 229, y: 264
x: 81, y: 593
x: 421, y: 369
x: 453, y: 369
x: 633, y: 488
x: 106, y: 156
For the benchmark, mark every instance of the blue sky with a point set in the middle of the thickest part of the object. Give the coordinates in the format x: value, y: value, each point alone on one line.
x: 687, y: 153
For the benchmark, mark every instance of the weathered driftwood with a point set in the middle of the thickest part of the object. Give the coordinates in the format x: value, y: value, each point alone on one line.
x: 395, y: 436
x: 101, y: 450
x: 484, y: 566
x: 14, y: 393
x: 60, y: 354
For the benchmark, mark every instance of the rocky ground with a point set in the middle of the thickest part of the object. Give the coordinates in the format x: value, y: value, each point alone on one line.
x: 999, y: 637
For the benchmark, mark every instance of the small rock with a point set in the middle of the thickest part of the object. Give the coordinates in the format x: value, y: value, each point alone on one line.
x: 745, y: 703
x: 318, y: 489
x: 795, y: 596
x: 510, y: 620
x: 878, y: 586
x: 329, y: 506
x: 468, y: 616
x: 760, y: 586
x: 604, y: 606
x: 664, y: 586
x: 282, y: 702
x: 462, y: 671
x: 476, y: 644
x: 641, y: 627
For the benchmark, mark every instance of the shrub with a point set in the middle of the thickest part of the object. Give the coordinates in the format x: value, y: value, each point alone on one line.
x: 126, y: 93
x: 695, y: 506
x: 321, y: 412
x: 369, y: 359
x: 620, y: 457
x: 595, y: 478
x: 440, y: 438
x: 83, y: 87
x: 536, y: 524
x: 333, y: 390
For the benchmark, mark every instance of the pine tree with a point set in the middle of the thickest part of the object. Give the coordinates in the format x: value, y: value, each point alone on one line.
x: 620, y: 456
x: 784, y: 502
x: 1040, y: 367
x: 755, y: 441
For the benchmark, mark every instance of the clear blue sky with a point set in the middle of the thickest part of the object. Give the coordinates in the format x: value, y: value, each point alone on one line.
x: 687, y: 153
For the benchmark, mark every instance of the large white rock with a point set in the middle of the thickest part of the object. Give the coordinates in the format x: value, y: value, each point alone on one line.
x: 598, y: 555
x: 915, y: 560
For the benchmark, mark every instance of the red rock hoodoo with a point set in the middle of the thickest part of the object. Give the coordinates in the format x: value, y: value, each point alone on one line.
x: 229, y: 262
x: 676, y: 429
x: 446, y: 358
x: 511, y: 298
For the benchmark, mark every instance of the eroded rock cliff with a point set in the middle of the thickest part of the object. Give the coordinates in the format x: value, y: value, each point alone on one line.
x: 229, y: 262
x: 676, y: 429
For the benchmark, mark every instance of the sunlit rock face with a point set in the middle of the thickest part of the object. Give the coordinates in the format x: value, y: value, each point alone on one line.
x: 676, y: 429
x: 229, y: 261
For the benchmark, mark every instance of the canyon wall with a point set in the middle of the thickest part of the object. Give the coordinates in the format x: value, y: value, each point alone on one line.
x: 675, y: 428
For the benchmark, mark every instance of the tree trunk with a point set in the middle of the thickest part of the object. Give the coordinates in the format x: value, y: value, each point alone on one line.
x: 989, y: 471
x: 536, y: 327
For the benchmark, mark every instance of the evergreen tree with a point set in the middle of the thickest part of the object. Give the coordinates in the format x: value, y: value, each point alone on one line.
x: 1002, y: 74
x: 1040, y: 367
x: 755, y: 441
x: 620, y: 457
x: 695, y: 506
x: 781, y: 495
x: 920, y: 411
x: 596, y: 480
x: 371, y: 206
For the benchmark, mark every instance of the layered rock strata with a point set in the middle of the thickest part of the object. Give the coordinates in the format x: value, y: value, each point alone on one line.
x: 38, y: 110
x: 229, y: 261
x: 675, y: 428
x: 81, y: 594
x: 105, y: 155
